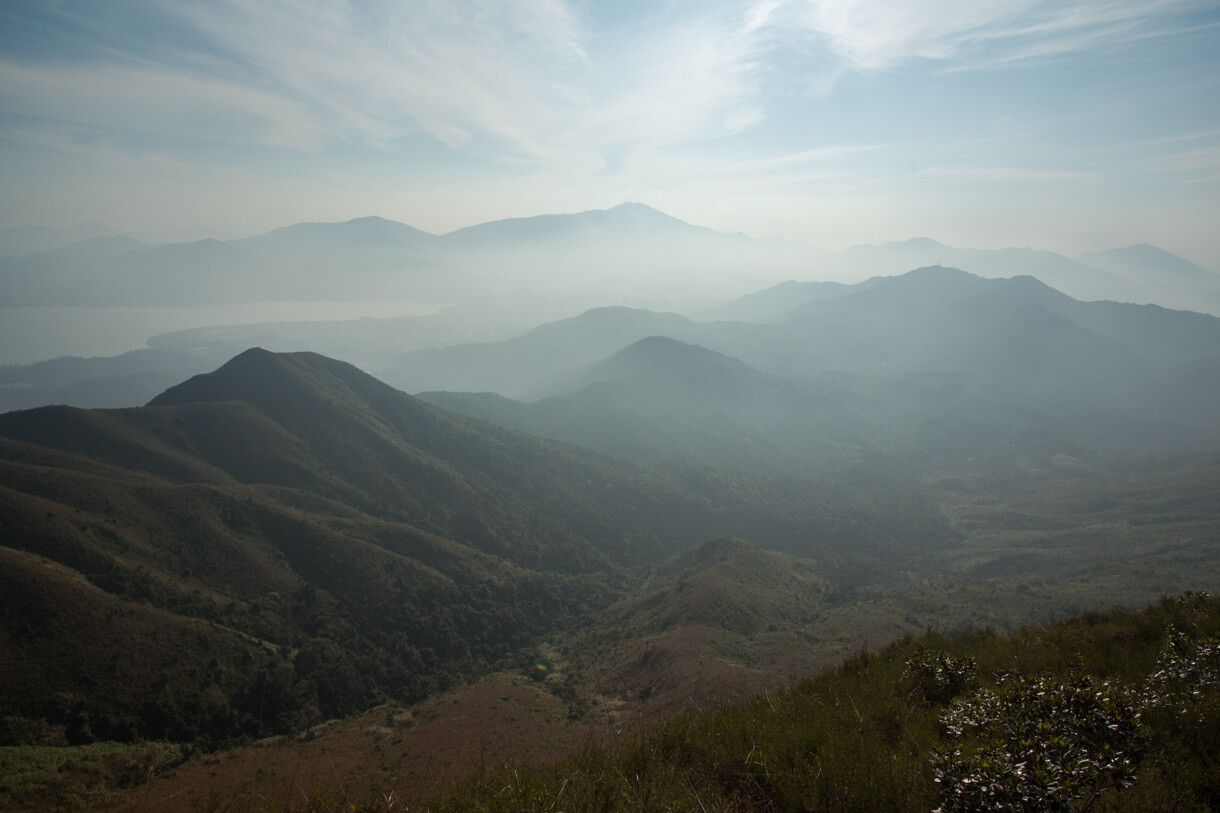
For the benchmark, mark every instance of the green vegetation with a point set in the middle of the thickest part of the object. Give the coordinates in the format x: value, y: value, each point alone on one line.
x: 62, y: 778
x: 1114, y: 712
x: 288, y: 541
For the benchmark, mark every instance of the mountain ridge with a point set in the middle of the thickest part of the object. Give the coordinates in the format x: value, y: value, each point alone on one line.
x: 625, y: 218
x: 317, y: 540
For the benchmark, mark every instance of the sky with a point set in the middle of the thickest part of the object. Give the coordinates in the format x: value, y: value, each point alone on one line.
x: 1074, y: 125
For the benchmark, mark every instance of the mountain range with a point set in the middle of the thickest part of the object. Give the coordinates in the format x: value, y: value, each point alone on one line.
x: 496, y: 280
x: 287, y: 539
x: 577, y: 522
x: 614, y: 253
x: 873, y: 366
x: 1140, y: 274
x: 631, y: 251
x: 883, y: 360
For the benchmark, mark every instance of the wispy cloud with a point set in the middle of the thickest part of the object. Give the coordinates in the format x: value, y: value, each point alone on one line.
x: 1001, y: 174
x: 101, y: 154
x: 523, y: 80
x: 159, y: 101
x: 1198, y: 165
x: 878, y: 34
x: 479, y: 76
x: 1176, y: 138
x: 688, y: 78
x: 498, y: 107
x: 797, y: 161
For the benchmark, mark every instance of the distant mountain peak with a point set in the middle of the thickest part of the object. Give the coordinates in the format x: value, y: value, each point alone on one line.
x: 613, y: 223
x: 662, y: 351
x: 919, y: 242
x: 256, y: 376
x: 252, y: 356
x: 913, y: 242
x: 928, y: 275
x: 370, y: 228
x: 1143, y: 261
x: 640, y: 210
x: 207, y: 247
x: 653, y: 346
x: 374, y: 219
x: 942, y: 276
x: 662, y: 358
x: 633, y: 206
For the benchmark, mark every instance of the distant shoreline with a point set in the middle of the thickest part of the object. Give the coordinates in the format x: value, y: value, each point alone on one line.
x: 33, y: 333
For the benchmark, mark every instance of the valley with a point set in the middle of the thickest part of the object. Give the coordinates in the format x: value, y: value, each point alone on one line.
x: 238, y: 571
x: 363, y: 587
x: 548, y: 406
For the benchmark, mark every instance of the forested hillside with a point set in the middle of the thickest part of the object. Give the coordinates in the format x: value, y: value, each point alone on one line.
x: 288, y: 540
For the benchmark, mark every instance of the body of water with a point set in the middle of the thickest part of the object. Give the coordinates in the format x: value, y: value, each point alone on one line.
x: 30, y: 334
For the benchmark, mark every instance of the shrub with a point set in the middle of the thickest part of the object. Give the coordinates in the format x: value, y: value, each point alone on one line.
x: 1038, y: 744
x: 940, y: 677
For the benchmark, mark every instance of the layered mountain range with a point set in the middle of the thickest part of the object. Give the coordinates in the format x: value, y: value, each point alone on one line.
x: 629, y: 495
x: 287, y: 539
x: 630, y: 254
x: 871, y: 368
x: 489, y: 282
x: 613, y: 253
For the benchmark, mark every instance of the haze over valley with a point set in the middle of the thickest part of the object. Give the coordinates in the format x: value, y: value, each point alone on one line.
x: 548, y: 405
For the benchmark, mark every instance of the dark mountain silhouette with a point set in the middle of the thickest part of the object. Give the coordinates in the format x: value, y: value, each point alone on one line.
x: 394, y: 456
x: 287, y: 538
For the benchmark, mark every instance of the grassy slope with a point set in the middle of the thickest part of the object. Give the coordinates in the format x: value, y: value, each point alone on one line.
x: 859, y: 736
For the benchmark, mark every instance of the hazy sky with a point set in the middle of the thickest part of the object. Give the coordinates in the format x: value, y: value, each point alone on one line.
x: 1072, y: 125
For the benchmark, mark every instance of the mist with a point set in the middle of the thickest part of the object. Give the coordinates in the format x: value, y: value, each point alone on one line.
x: 727, y: 405
x: 389, y: 297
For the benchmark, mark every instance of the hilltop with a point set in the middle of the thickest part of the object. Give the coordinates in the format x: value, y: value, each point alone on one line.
x: 286, y: 541
x: 324, y: 540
